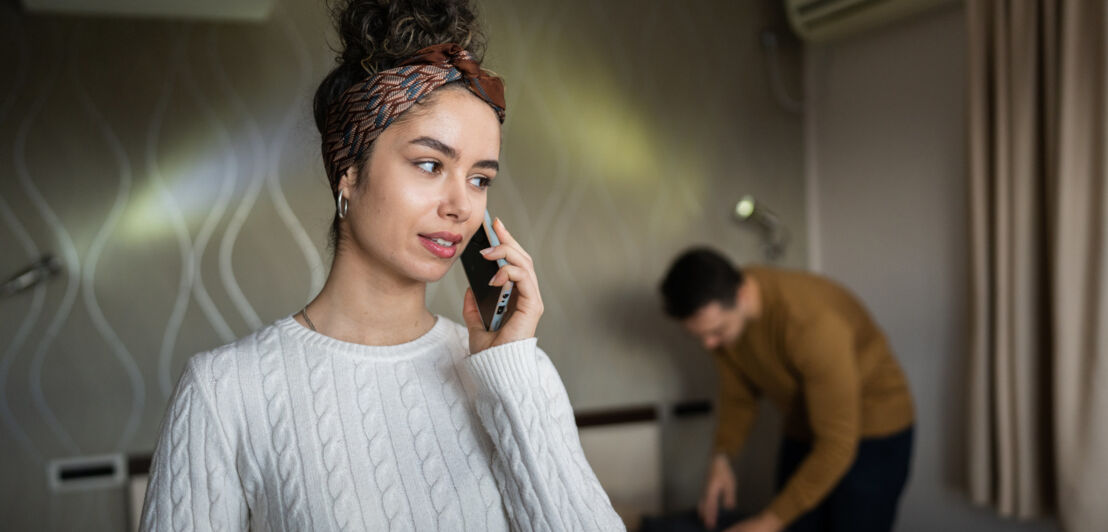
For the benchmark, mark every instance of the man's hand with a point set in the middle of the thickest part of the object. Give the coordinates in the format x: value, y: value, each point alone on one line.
x: 720, y: 485
x: 763, y: 522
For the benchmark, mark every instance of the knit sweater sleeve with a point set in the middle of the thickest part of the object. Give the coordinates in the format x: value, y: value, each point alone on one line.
x: 193, y: 483
x: 541, y: 470
x: 823, y: 355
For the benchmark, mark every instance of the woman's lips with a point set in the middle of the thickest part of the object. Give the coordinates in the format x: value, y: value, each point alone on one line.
x: 441, y: 245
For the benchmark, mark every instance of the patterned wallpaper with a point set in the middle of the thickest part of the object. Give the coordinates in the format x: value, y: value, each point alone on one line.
x: 172, y: 167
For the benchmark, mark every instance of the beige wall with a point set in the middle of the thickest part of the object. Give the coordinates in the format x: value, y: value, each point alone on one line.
x: 173, y: 167
x: 887, y: 145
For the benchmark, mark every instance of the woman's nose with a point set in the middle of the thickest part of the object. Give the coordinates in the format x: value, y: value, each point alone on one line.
x: 456, y: 201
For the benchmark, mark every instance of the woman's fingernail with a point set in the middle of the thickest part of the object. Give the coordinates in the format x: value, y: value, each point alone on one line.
x: 486, y: 251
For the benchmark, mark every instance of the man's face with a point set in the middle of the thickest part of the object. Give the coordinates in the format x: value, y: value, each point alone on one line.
x: 715, y: 325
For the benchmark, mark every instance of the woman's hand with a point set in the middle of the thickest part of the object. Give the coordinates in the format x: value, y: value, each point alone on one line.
x: 520, y: 271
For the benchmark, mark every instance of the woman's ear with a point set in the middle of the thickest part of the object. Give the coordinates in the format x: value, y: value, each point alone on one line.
x: 349, y: 180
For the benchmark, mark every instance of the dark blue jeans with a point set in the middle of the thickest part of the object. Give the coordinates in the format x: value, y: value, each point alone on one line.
x: 866, y: 498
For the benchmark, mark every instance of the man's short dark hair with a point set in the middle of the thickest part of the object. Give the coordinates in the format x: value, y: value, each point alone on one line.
x: 697, y: 278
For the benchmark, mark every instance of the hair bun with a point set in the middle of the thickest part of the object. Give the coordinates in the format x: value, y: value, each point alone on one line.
x: 378, y: 35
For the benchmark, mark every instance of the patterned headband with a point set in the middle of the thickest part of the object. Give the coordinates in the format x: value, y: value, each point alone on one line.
x: 366, y: 109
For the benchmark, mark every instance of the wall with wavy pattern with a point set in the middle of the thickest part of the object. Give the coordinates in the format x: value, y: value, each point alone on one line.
x: 172, y: 167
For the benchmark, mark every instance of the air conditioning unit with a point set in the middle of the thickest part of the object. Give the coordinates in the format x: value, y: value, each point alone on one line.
x: 239, y: 10
x: 821, y: 21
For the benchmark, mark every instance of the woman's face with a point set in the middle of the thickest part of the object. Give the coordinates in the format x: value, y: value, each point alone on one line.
x: 424, y: 188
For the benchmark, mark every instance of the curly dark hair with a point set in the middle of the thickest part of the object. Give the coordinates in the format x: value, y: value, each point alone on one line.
x: 378, y: 35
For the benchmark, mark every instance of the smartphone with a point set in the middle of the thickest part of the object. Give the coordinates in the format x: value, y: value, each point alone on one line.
x: 494, y: 302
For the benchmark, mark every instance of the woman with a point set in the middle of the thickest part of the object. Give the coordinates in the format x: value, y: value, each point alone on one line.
x: 364, y: 411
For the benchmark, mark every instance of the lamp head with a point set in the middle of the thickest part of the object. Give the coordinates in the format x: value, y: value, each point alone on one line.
x: 749, y: 211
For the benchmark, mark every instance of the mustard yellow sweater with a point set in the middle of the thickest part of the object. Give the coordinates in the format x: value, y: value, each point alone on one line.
x: 817, y: 354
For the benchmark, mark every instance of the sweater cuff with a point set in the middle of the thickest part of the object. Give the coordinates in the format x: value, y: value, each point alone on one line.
x: 512, y: 366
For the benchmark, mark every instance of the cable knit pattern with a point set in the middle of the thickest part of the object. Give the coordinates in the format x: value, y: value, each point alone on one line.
x: 534, y: 412
x: 288, y: 429
x: 502, y: 378
x: 221, y: 472
x: 517, y: 479
x: 430, y: 459
x: 392, y: 503
x: 530, y: 417
x: 461, y: 418
x: 179, y: 489
x: 594, y: 501
x: 329, y: 434
x: 214, y: 479
x: 198, y: 489
x: 215, y: 470
x: 281, y: 432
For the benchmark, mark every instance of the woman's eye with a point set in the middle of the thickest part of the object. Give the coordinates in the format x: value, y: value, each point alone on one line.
x: 480, y: 181
x: 430, y: 167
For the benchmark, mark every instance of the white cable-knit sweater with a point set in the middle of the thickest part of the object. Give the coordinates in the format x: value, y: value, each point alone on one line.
x: 287, y: 429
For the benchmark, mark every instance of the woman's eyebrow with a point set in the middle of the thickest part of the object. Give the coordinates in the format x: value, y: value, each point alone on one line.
x: 438, y: 145
x: 487, y: 164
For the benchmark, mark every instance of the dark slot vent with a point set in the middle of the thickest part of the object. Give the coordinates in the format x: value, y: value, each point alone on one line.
x: 80, y: 473
x: 85, y: 471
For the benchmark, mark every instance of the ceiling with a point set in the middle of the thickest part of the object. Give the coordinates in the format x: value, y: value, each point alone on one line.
x: 241, y: 10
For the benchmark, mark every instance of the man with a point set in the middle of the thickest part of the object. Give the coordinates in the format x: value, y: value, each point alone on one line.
x: 810, y: 347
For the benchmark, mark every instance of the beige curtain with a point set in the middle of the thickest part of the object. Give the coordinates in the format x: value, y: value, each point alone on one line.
x: 1038, y: 413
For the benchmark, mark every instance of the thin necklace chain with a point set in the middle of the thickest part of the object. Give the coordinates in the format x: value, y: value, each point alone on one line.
x: 304, y: 312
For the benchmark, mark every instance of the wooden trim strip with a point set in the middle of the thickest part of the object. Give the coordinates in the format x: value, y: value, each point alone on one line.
x: 696, y: 407
x: 139, y: 464
x: 615, y: 416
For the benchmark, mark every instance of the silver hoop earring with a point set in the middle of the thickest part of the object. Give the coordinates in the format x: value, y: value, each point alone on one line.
x: 342, y: 204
